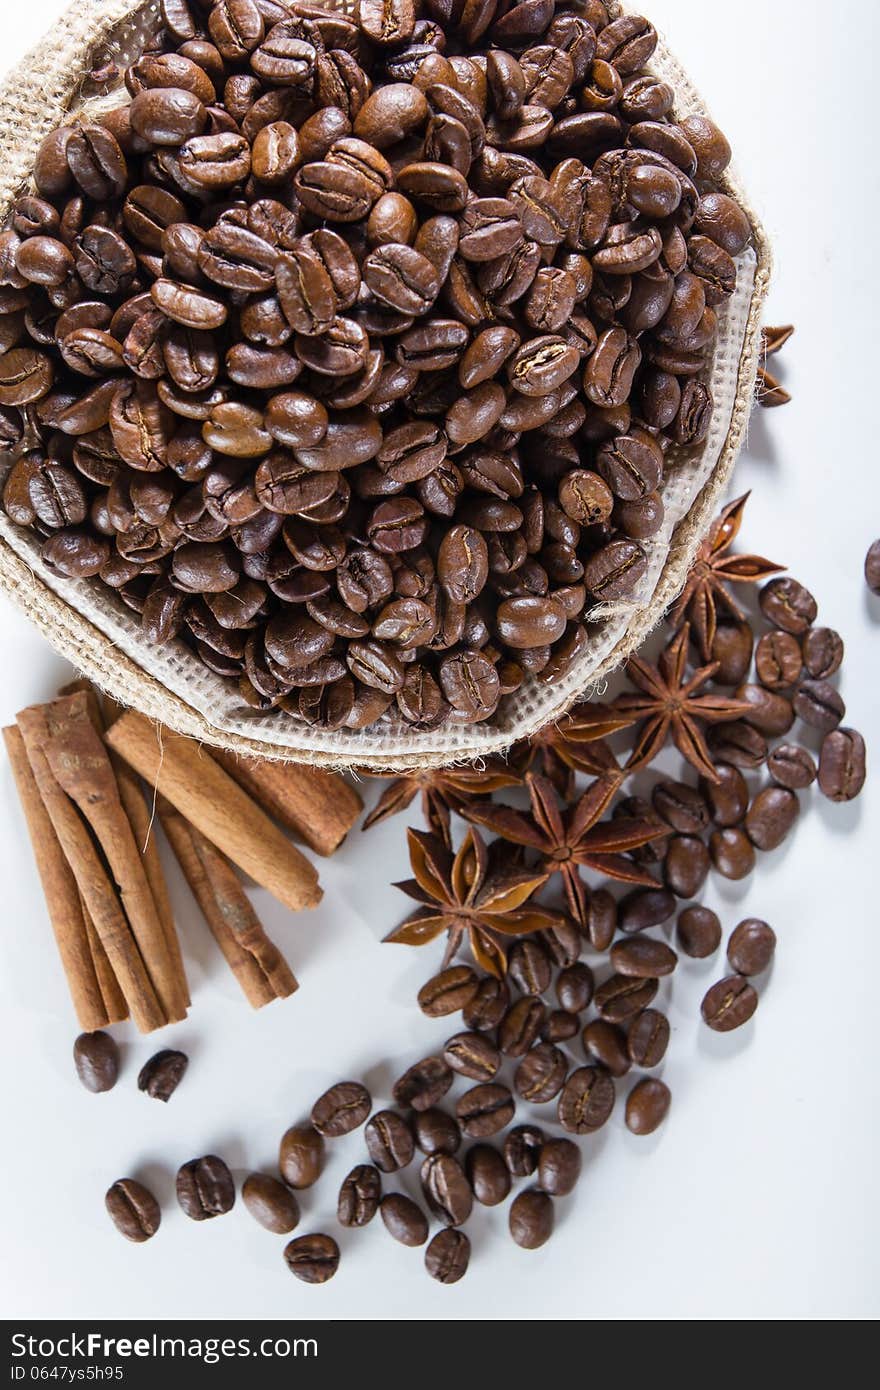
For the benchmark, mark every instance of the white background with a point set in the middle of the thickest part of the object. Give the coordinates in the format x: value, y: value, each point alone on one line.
x: 758, y: 1199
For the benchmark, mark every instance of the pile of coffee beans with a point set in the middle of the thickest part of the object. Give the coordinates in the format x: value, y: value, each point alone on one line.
x: 350, y: 350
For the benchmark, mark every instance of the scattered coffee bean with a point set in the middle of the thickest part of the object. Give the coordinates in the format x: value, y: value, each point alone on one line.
x: 751, y: 946
x: 312, y: 1258
x: 822, y: 652
x: 729, y: 1003
x: 205, y: 1188
x: 647, y: 1106
x: 586, y: 1101
x: 487, y: 1174
x: 531, y: 1218
x: 788, y: 605
x: 270, y: 1203
x: 872, y: 567
x: 162, y: 1074
x: 522, y: 1147
x: 732, y: 852
x: 472, y: 1055
x: 359, y: 1196
x: 448, y: 992
x: 699, y: 931
x: 96, y: 1058
x: 643, y: 957
x: 605, y: 1043
x: 728, y: 798
x: 842, y: 765
x: 574, y: 987
x: 484, y: 1110
x: 341, y: 1109
x: 559, y: 1167
x: 791, y: 766
x: 424, y: 1084
x: 133, y: 1210
x: 771, y: 816
x: 447, y: 1256
x: 446, y: 1189
x: 818, y: 704
x: 648, y: 1038
x: 390, y: 1141
x: 403, y: 1219
x: 301, y: 1156
x: 436, y: 1132
x: 778, y: 660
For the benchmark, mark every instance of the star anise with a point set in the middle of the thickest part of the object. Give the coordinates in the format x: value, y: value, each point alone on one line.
x: 705, y: 588
x: 570, y: 839
x: 771, y: 392
x: 670, y: 705
x: 472, y: 894
x: 441, y: 791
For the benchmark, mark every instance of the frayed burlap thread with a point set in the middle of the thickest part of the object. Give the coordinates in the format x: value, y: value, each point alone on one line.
x: 90, y: 627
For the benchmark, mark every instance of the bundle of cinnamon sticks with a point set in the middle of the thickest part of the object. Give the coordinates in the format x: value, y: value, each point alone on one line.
x: 77, y: 765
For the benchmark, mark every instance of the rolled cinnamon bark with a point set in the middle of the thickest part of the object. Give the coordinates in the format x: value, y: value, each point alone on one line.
x: 187, y: 775
x: 98, y: 893
x: 114, y: 1000
x: 81, y: 767
x: 317, y: 806
x: 61, y: 894
x: 258, y: 966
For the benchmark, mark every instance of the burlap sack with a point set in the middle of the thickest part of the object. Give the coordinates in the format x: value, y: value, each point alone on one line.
x: 99, y: 635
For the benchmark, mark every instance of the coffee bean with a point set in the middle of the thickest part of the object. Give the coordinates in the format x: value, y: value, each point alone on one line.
x: 301, y: 1157
x: 647, y: 1106
x: 403, y: 1220
x: 842, y: 764
x: 729, y: 1003
x: 771, y: 816
x: 822, y: 652
x: 791, y: 766
x: 818, y: 704
x: 389, y: 1140
x: 96, y: 1058
x: 728, y: 798
x: 447, y: 1256
x: 341, y: 1109
x: 601, y: 919
x: 645, y: 907
x: 732, y: 852
x: 359, y: 1196
x: 531, y: 1218
x: 529, y: 965
x: 872, y: 567
x: 133, y: 1210
x: 487, y: 1174
x: 642, y: 957
x: 732, y: 649
x: 686, y: 865
x: 436, y: 1132
x: 205, y: 1188
x: 699, y: 931
x: 162, y: 1074
x: 447, y: 992
x: 778, y: 660
x: 472, y: 1055
x: 446, y: 1188
x: 574, y: 987
x: 738, y: 743
x: 648, y: 1038
x: 484, y: 1110
x: 788, y: 605
x: 270, y: 1203
x: 681, y: 806
x: 521, y: 1150
x: 520, y: 1026
x: 312, y: 1258
x: 541, y: 1074
x: 769, y: 713
x: 423, y: 1085
x: 751, y: 946
x: 586, y: 1101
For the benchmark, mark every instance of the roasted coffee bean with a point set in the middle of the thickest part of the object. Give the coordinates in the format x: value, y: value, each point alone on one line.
x: 205, y: 1188
x: 768, y: 712
x: 162, y: 1074
x: 436, y: 1132
x: 541, y: 1074
x: 648, y: 1038
x: 472, y: 1055
x: 586, y: 1101
x: 488, y: 1174
x: 531, y: 1218
x: 484, y: 1110
x: 778, y: 660
x: 301, y: 1157
x: 447, y: 1256
x: 643, y: 957
x: 646, y: 907
x: 791, y: 766
x: 698, y: 931
x: 359, y: 1196
x: 771, y: 816
x: 732, y: 649
x: 686, y: 865
x: 96, y: 1058
x: 728, y: 798
x: 872, y: 567
x: 729, y: 1003
x: 738, y: 743
x: 270, y: 1203
x: 424, y: 1084
x: 520, y: 1026
x: 447, y: 1191
x: 447, y: 992
x: 574, y: 987
x: 647, y: 1106
x: 732, y: 852
x: 751, y: 946
x: 601, y: 919
x: 682, y: 807
x: 529, y: 966
x: 403, y: 1219
x: 621, y: 996
x: 521, y: 1149
x: 788, y: 605
x: 133, y: 1210
x: 341, y: 1109
x: 389, y: 1140
x: 615, y: 571
x: 605, y: 1043
x: 818, y: 704
x: 312, y: 1258
x: 822, y: 649
x: 842, y: 765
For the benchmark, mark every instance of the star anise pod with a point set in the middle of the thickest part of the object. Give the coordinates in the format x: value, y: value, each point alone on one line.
x: 771, y: 392
x: 441, y: 791
x: 705, y: 588
x: 573, y: 838
x: 670, y: 706
x: 472, y: 894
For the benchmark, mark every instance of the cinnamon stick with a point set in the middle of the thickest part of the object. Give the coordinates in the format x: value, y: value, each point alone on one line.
x: 132, y: 796
x: 98, y: 893
x: 60, y: 892
x: 114, y: 1000
x: 228, y: 912
x: 205, y: 795
x: 81, y: 767
x: 317, y: 806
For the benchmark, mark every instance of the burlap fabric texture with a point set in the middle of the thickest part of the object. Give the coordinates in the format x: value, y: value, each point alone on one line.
x: 100, y: 636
